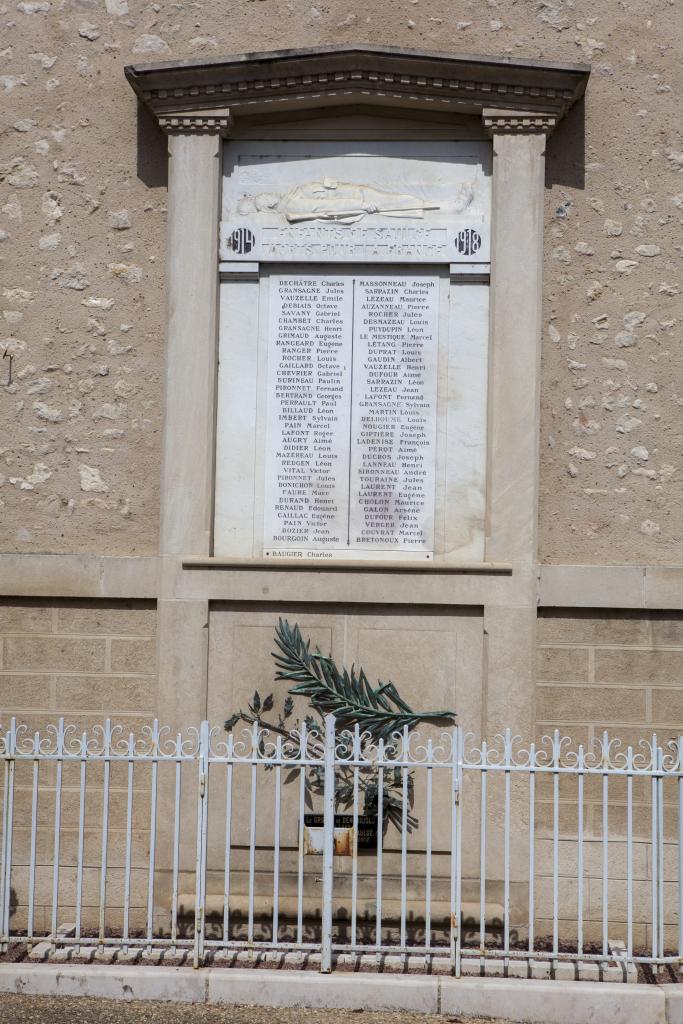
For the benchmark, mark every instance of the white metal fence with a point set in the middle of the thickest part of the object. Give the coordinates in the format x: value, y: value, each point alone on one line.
x: 426, y: 844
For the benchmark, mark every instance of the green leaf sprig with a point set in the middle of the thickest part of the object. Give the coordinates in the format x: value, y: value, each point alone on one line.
x: 347, y: 695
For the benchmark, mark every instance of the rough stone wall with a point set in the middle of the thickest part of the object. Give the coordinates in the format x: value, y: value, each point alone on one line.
x: 83, y: 660
x: 612, y: 368
x: 82, y: 204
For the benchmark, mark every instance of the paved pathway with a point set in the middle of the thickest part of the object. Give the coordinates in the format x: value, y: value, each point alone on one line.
x: 45, y: 1010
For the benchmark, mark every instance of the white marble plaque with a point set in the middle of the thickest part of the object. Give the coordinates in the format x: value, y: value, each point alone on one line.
x: 351, y: 416
x: 308, y: 411
x: 324, y: 202
x: 393, y: 425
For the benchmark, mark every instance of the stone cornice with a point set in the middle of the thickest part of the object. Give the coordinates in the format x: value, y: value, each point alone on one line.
x: 290, y: 80
x: 512, y: 122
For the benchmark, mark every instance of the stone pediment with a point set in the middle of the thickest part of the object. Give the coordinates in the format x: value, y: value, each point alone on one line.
x: 205, y: 95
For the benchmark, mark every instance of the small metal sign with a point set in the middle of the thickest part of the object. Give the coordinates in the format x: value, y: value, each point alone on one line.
x: 343, y: 833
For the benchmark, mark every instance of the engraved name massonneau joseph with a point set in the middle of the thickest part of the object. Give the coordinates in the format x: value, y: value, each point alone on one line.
x: 379, y: 712
x: 346, y: 203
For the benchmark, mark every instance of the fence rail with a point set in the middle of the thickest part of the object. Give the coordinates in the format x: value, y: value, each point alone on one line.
x: 428, y: 843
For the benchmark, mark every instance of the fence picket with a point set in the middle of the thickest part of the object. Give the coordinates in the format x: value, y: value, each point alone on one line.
x: 7, y: 829
x: 200, y: 861
x: 328, y: 847
x: 680, y: 852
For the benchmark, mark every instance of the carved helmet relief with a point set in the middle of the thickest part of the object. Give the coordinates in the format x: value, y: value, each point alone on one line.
x: 346, y: 202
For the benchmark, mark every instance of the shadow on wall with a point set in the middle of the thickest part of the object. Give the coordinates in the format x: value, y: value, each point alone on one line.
x: 152, y: 150
x: 565, y: 154
x: 366, y: 928
x: 566, y: 151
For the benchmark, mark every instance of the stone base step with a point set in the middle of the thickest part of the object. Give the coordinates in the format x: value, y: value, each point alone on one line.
x: 391, y: 909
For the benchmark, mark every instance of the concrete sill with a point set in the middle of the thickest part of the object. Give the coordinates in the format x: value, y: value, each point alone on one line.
x: 316, y: 565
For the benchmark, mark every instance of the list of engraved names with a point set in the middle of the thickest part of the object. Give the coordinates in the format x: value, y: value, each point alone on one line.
x: 351, y: 415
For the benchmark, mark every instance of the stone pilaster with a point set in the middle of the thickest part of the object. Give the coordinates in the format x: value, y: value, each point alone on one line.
x: 514, y: 383
x: 195, y: 150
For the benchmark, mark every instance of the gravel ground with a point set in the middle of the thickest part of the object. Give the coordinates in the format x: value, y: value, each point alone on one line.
x: 45, y: 1010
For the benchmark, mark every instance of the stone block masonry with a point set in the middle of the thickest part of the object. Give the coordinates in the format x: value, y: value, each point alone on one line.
x: 612, y: 670
x: 85, y: 660
x: 620, y: 671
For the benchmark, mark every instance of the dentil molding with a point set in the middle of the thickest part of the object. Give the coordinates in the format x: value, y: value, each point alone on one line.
x: 195, y: 124
x: 509, y: 122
